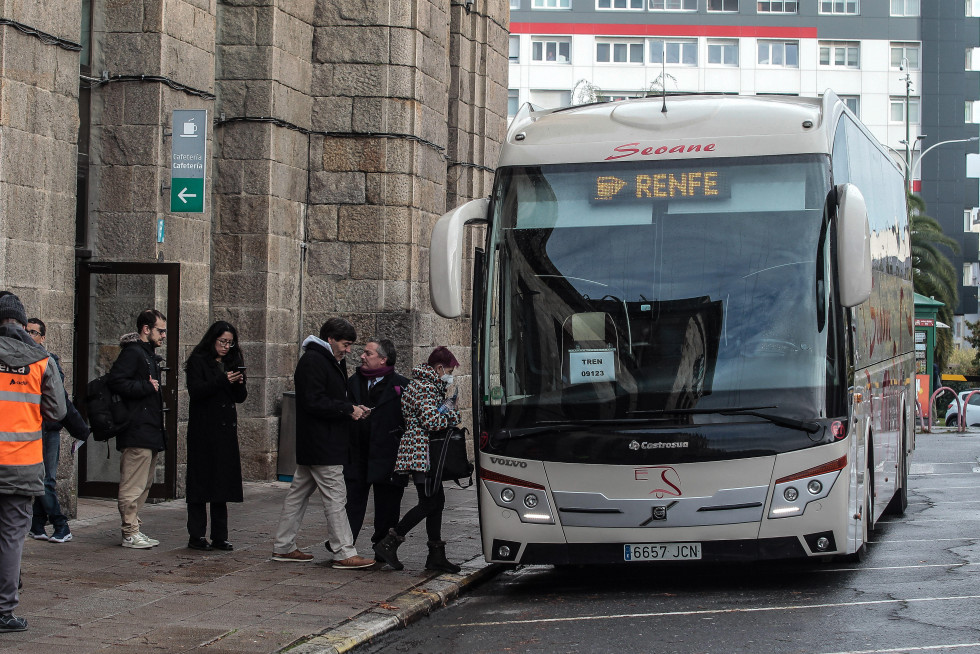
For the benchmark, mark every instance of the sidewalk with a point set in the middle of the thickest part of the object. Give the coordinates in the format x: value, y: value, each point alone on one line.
x: 91, y: 594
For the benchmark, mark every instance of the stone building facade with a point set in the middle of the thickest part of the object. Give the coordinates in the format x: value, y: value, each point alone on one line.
x: 340, y: 130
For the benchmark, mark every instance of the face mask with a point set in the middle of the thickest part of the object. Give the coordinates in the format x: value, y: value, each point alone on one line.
x: 447, y: 378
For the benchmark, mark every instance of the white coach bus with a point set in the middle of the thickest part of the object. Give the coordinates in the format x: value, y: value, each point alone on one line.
x: 692, y: 330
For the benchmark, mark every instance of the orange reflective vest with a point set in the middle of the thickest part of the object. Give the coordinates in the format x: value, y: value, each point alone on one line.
x: 20, y: 414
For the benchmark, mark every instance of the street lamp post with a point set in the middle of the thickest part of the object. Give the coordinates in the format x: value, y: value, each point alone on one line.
x: 918, y: 160
x: 908, y: 140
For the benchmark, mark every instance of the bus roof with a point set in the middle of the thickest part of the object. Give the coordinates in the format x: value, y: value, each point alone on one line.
x: 694, y: 126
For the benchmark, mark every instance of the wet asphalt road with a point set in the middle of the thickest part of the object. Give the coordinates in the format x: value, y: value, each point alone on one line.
x: 918, y: 590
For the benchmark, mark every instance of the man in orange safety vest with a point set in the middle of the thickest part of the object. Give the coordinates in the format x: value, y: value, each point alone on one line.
x: 30, y: 391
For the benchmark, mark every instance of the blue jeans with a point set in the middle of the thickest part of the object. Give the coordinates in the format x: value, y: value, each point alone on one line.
x: 47, y: 506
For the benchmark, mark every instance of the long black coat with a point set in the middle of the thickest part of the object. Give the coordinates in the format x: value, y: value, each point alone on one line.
x: 374, y: 441
x: 214, y: 469
x: 323, y: 409
x: 129, y: 378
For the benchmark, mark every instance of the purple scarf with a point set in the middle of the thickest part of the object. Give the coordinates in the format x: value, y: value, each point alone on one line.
x: 375, y: 373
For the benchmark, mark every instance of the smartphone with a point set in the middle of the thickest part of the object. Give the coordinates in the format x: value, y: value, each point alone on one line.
x: 241, y: 369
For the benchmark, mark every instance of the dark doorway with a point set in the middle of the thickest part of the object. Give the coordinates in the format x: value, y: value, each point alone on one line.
x: 111, y: 295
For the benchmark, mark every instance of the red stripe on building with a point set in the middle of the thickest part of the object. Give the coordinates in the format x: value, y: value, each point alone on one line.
x: 603, y: 29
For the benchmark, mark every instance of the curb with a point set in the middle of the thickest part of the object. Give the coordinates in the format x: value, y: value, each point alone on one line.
x: 405, y: 608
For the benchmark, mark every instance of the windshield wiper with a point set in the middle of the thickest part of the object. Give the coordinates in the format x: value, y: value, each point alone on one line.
x: 803, y: 425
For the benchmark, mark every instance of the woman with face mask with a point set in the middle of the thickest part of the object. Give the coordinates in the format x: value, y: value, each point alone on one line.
x: 425, y: 409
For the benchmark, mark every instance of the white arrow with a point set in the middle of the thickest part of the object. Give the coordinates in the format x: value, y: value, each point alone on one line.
x: 183, y: 195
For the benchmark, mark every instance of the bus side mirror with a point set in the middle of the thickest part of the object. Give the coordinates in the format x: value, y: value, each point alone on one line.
x: 446, y: 257
x: 853, y: 246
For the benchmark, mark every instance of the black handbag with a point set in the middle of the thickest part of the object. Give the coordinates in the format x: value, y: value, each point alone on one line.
x: 448, y: 459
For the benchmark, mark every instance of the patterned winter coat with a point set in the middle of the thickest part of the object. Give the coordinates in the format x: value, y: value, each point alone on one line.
x: 420, y: 407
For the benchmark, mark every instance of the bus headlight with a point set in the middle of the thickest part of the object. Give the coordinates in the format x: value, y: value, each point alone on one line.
x: 787, y: 500
x: 507, y: 495
x: 530, y: 500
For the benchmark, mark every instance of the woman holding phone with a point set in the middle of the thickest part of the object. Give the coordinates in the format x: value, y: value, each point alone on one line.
x: 215, y: 383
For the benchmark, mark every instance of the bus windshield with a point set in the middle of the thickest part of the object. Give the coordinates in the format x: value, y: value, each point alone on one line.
x: 670, y: 290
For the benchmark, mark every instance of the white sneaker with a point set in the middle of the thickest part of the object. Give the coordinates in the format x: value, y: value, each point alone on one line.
x: 152, y: 541
x: 137, y: 542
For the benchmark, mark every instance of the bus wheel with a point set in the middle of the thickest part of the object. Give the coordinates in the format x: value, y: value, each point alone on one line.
x: 867, y: 514
x: 900, y: 501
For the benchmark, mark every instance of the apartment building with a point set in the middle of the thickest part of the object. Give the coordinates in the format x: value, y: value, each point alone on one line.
x: 907, y: 68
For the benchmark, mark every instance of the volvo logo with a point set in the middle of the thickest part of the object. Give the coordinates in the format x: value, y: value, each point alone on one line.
x: 658, y: 513
x: 508, y: 462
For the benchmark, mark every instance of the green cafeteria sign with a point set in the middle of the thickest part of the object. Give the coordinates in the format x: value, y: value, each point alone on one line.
x: 188, y: 160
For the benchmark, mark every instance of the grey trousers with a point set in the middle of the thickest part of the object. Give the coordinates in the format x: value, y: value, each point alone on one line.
x: 15, y: 519
x: 329, y: 480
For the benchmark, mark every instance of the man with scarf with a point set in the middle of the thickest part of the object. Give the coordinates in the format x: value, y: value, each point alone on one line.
x: 374, y: 440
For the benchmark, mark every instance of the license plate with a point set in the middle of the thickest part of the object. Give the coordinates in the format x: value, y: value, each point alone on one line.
x: 662, y: 552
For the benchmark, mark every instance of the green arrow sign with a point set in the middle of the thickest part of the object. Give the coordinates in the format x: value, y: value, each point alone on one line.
x: 186, y: 195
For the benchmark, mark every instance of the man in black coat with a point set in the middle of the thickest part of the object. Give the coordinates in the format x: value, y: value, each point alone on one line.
x: 374, y: 441
x: 324, y: 415
x: 135, y: 376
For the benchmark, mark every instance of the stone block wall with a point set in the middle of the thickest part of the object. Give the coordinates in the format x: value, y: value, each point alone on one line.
x: 264, y: 70
x: 38, y: 141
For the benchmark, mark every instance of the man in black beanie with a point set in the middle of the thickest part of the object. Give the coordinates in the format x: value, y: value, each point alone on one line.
x: 32, y: 392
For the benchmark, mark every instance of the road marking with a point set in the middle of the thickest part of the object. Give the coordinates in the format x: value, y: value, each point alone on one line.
x: 924, y: 540
x: 944, y: 488
x: 925, y: 648
x: 900, y: 567
x: 761, y: 609
x: 938, y: 503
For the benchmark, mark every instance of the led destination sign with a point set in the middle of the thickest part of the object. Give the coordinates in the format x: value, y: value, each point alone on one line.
x: 686, y: 185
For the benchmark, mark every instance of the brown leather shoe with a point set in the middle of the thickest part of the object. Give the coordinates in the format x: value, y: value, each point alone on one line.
x: 352, y: 563
x: 294, y: 556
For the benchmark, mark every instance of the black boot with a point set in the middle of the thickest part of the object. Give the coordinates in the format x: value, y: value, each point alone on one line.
x: 437, y: 558
x: 386, y: 549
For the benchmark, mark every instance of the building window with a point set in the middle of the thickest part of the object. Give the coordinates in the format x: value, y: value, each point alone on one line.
x: 515, y: 4
x: 853, y: 103
x: 557, y: 51
x: 617, y: 97
x: 785, y: 54
x: 905, y: 7
x: 972, y: 8
x: 619, y: 53
x: 682, y: 52
x: 909, y: 52
x: 515, y: 49
x: 841, y: 55
x: 897, y: 113
x: 551, y: 4
x: 777, y: 7
x: 513, y: 102
x: 619, y: 4
x: 673, y: 5
x: 723, y: 53
x: 723, y: 5
x: 969, y: 114
x: 839, y: 7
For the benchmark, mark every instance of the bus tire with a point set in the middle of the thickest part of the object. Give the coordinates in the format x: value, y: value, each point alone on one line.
x: 867, y: 511
x: 900, y: 501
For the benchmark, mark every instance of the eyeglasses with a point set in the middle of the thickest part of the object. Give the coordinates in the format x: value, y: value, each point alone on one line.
x: 225, y: 343
x: 33, y: 332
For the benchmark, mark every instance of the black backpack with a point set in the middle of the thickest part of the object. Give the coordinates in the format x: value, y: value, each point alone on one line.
x: 107, y: 413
